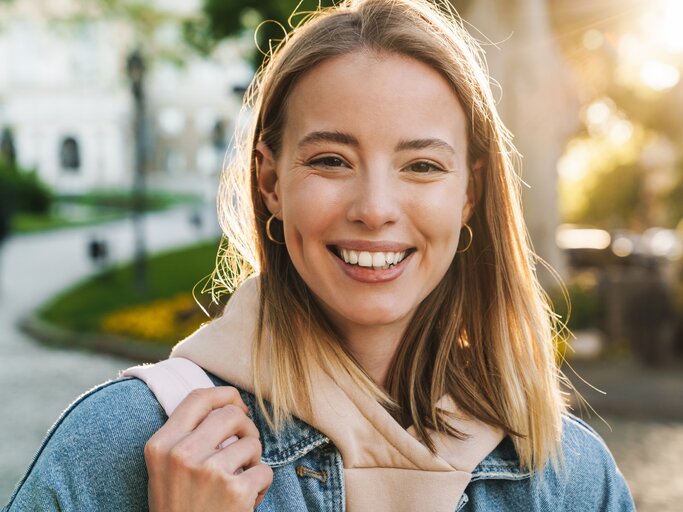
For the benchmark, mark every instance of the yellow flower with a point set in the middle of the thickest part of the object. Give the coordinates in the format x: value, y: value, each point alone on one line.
x: 165, y: 320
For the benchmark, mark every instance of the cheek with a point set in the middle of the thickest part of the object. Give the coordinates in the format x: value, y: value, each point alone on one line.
x: 311, y: 208
x: 440, y: 218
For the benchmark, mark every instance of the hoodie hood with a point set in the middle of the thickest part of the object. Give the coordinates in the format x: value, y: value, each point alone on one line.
x: 386, y: 468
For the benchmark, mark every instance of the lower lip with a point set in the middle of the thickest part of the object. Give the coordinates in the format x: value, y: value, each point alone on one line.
x: 371, y: 275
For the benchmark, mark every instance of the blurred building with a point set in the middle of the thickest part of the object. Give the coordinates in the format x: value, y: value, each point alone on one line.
x: 65, y: 96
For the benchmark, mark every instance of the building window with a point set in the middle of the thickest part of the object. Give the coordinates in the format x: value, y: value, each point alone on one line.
x: 69, y: 155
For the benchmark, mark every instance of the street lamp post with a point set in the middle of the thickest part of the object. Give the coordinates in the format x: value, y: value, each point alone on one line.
x: 136, y: 70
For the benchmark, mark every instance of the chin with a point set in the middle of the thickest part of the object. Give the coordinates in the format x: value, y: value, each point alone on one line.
x: 368, y: 316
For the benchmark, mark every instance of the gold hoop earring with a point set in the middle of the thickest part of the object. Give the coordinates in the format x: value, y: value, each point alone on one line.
x: 469, y: 229
x: 269, y: 234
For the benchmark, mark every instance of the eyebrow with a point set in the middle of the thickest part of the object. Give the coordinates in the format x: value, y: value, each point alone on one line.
x: 350, y: 140
x: 323, y: 136
x: 423, y: 144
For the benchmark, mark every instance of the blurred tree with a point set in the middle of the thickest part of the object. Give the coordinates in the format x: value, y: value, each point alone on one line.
x: 17, y: 190
x: 622, y: 54
x: 7, y: 195
x: 22, y: 191
x: 616, y: 199
x: 271, y: 19
x: 144, y: 19
x: 7, y: 151
x: 674, y: 200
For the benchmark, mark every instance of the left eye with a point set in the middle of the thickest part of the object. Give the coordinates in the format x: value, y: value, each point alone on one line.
x: 424, y: 167
x: 327, y: 161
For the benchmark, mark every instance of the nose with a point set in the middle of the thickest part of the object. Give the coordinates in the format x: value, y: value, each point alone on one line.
x: 375, y: 202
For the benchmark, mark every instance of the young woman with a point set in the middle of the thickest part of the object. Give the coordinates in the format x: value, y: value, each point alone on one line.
x: 390, y: 343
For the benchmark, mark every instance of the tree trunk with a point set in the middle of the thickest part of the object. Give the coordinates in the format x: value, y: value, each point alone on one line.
x: 537, y: 102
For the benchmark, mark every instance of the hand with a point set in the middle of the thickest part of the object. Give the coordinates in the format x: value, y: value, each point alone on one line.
x: 189, y: 471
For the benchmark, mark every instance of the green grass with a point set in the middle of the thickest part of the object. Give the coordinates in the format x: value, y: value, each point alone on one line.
x: 83, y: 306
x: 101, y: 206
x: 122, y: 199
x: 33, y: 223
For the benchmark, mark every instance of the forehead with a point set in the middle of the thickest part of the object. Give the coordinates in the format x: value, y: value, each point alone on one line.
x: 378, y: 97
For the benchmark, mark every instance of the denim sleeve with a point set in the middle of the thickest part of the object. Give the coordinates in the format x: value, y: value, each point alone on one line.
x: 594, y: 481
x: 93, y: 456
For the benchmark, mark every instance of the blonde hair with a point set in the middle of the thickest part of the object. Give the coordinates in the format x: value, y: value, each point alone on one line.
x: 485, y: 334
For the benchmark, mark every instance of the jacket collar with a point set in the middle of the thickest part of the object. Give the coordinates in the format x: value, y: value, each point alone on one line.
x: 501, y: 464
x: 293, y: 441
x: 298, y: 438
x: 380, y: 456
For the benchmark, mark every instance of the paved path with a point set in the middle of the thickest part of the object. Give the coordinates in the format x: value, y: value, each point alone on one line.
x: 625, y: 387
x: 37, y: 383
x: 650, y: 455
x: 643, y: 411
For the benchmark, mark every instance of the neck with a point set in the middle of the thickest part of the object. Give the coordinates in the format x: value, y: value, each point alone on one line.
x: 374, y: 347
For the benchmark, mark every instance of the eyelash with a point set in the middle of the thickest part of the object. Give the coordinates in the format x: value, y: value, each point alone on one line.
x: 325, y: 162
x: 433, y: 167
x: 320, y: 161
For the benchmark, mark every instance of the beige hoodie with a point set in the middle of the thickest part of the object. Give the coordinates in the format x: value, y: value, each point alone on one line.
x: 386, y: 468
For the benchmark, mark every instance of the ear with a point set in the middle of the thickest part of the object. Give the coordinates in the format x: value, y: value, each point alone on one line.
x: 267, y: 179
x: 474, y: 190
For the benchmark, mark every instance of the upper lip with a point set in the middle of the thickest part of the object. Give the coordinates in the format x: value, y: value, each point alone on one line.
x: 370, y: 246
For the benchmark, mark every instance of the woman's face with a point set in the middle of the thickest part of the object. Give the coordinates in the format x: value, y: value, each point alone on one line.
x: 371, y: 184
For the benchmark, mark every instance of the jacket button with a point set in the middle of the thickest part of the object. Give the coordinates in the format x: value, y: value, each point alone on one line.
x: 304, y: 471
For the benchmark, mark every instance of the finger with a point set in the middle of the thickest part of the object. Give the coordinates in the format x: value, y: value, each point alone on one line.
x: 256, y: 482
x: 198, y: 404
x: 242, y: 454
x: 260, y: 477
x: 228, y: 442
x: 221, y: 424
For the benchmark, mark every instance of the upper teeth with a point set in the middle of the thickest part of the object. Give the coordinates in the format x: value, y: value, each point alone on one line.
x: 371, y: 259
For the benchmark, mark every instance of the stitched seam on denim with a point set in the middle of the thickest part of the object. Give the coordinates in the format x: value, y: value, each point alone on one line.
x: 512, y: 468
x: 436, y: 471
x: 294, y: 452
x: 463, y: 501
x: 585, y: 426
x: 503, y: 475
x: 340, y: 488
x: 575, y: 419
x: 497, y: 467
x: 52, y: 430
x: 293, y: 441
x: 564, y: 495
x: 280, y: 457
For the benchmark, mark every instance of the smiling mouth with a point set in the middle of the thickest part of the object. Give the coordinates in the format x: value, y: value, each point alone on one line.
x: 379, y: 260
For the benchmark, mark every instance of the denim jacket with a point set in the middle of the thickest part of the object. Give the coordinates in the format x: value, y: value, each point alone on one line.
x: 92, y: 460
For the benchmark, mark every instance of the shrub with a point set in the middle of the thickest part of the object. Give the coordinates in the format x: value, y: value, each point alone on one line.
x: 585, y: 303
x: 27, y: 193
x: 7, y: 207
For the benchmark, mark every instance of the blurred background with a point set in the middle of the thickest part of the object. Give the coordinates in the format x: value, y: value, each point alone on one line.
x: 115, y: 119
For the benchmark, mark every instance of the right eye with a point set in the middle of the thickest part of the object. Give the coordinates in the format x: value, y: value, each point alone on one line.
x: 327, y: 161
